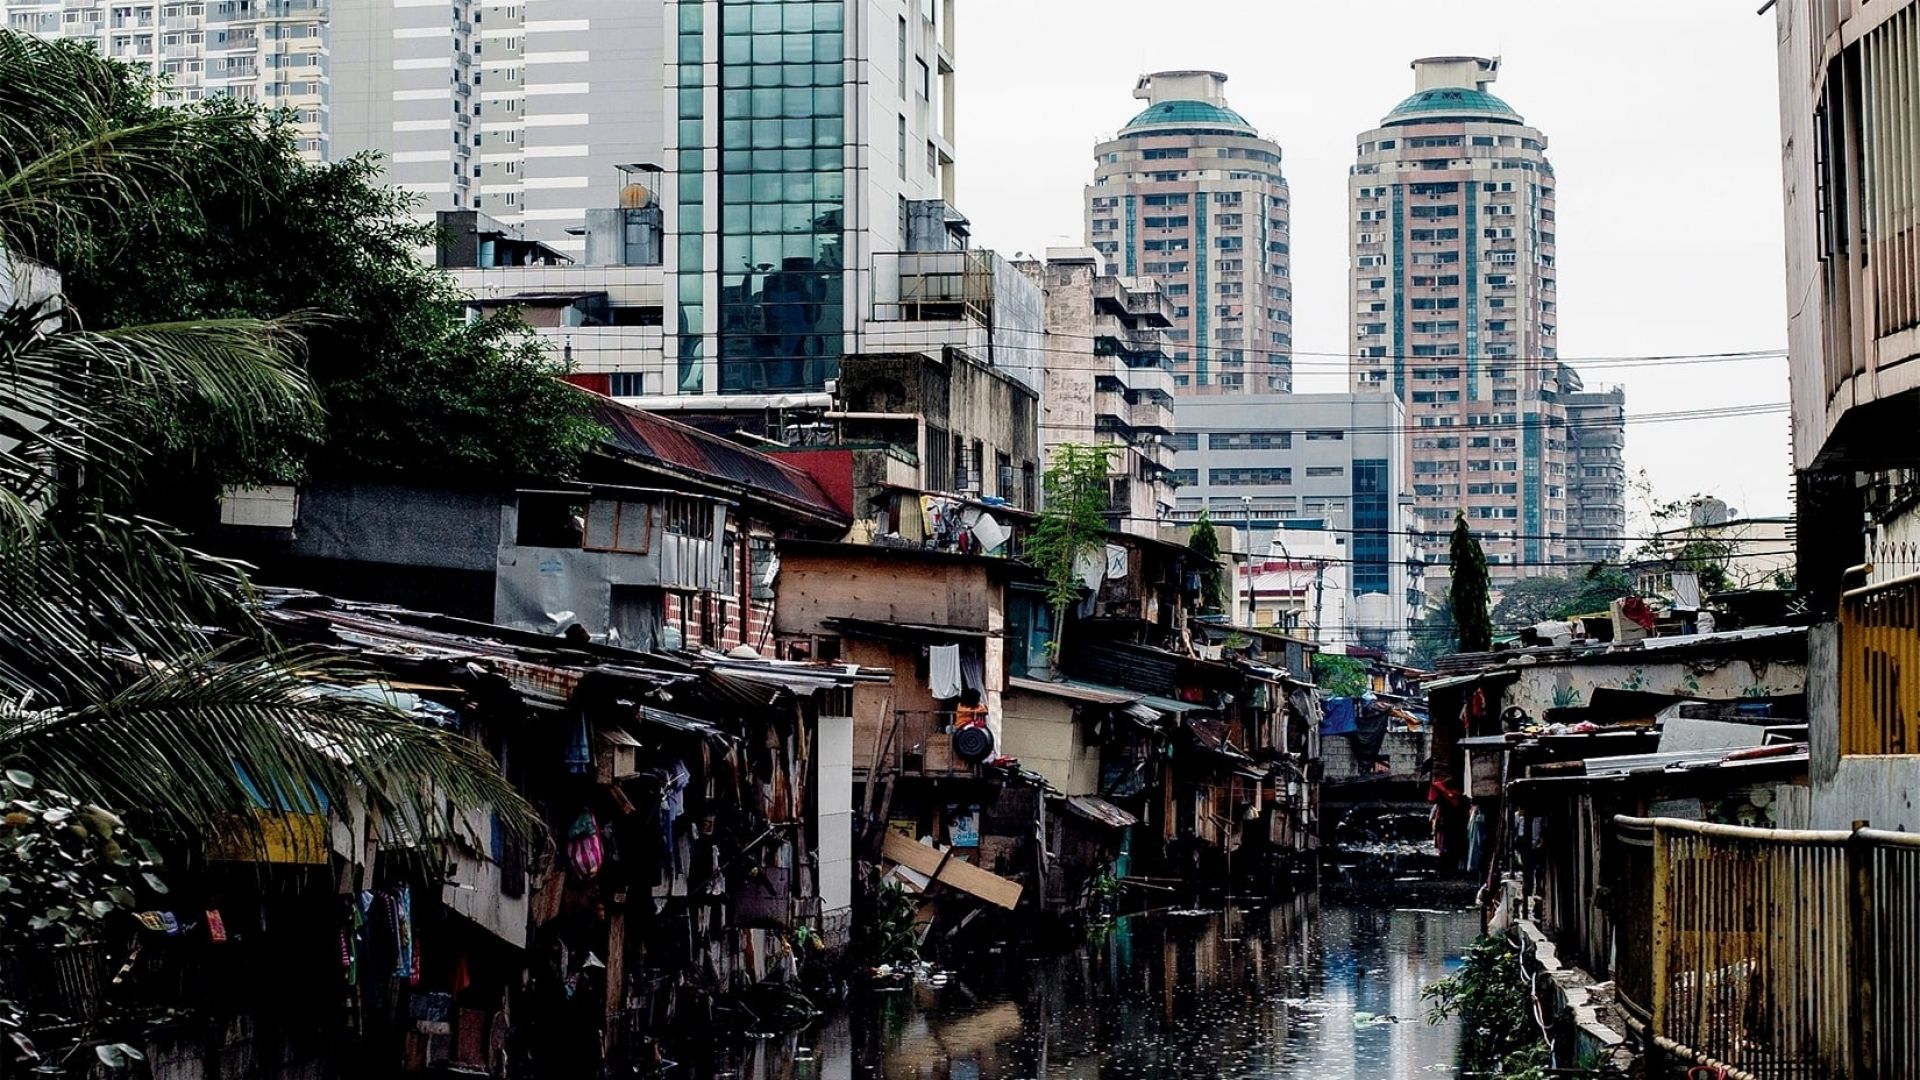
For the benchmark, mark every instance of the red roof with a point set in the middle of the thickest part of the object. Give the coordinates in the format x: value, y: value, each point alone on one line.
x: 650, y: 438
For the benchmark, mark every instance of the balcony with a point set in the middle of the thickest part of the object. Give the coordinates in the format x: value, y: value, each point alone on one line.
x: 1152, y: 416
x: 936, y: 286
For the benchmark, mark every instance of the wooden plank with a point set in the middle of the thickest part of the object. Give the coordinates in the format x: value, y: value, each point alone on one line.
x: 984, y: 884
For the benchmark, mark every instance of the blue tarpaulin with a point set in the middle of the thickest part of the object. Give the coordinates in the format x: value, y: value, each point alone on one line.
x: 1339, y: 716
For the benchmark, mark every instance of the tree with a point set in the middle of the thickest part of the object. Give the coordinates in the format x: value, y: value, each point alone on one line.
x: 1339, y: 676
x: 1204, y: 542
x: 1073, y: 522
x: 1433, y: 636
x: 1680, y: 544
x: 1533, y: 600
x: 1467, y: 591
x: 115, y: 686
x: 405, y: 383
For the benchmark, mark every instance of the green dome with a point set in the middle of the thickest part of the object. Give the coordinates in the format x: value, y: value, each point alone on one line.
x: 1187, y: 114
x: 1452, y: 102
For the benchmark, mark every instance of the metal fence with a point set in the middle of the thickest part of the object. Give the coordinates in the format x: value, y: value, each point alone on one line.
x: 1773, y: 953
x: 1880, y: 668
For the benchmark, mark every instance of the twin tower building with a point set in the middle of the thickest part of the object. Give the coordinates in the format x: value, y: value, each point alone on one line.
x: 1452, y: 313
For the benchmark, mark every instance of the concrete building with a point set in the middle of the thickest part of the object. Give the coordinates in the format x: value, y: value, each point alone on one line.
x: 505, y: 108
x: 1849, y: 119
x: 1454, y: 299
x: 1108, y: 379
x: 1191, y: 193
x: 1596, y: 470
x: 277, y: 53
x: 1321, y: 471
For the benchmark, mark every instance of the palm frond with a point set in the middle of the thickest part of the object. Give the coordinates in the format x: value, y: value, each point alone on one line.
x: 212, y: 737
x: 69, y: 164
x: 89, y: 591
x: 76, y: 398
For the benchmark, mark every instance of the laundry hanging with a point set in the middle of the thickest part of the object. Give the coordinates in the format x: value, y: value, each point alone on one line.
x: 943, y: 671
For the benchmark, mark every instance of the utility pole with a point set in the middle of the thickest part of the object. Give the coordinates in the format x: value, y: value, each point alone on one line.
x: 1246, y: 504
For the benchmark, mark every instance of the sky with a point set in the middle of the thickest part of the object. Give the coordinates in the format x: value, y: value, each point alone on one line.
x: 1662, y: 122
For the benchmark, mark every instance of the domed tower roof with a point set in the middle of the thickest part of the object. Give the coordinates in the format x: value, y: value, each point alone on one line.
x: 1187, y: 114
x: 1451, y: 103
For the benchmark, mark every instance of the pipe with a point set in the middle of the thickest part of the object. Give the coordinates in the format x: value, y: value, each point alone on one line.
x: 1699, y: 1058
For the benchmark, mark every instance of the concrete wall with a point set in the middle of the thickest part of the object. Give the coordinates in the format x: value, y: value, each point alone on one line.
x: 399, y: 525
x: 1549, y: 686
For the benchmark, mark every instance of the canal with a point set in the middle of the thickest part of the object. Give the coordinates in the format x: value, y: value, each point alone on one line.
x: 1306, y: 989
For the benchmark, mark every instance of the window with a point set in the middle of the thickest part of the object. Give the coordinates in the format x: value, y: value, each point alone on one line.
x: 933, y: 159
x: 903, y: 146
x: 1248, y: 440
x: 1326, y: 470
x: 1326, y: 436
x: 926, y: 80
x: 903, y: 58
x: 1251, y: 477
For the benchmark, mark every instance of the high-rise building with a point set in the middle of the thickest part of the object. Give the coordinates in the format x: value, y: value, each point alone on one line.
x: 1107, y: 380
x: 1191, y: 193
x: 531, y: 116
x: 1596, y: 470
x: 1454, y: 300
x: 810, y: 155
x: 274, y: 52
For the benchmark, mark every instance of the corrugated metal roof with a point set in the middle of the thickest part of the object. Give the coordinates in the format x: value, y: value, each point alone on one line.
x: 1100, y: 811
x: 652, y: 438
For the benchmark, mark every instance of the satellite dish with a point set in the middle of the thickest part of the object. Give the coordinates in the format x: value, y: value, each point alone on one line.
x: 635, y: 197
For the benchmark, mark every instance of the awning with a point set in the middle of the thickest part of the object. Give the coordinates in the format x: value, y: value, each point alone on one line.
x: 1505, y: 674
x: 677, y: 722
x: 917, y: 633
x: 1100, y: 811
x: 1073, y: 691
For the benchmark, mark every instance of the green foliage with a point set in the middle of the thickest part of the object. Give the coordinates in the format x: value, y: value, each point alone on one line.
x: 887, y: 934
x: 1487, y: 993
x: 240, y: 228
x: 1538, y: 599
x: 1433, y: 636
x: 1467, y: 591
x: 1339, y: 676
x: 1072, y: 520
x: 1678, y: 545
x: 1204, y: 542
x: 69, y: 875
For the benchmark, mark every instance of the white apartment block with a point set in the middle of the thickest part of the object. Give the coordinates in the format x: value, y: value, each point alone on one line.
x: 530, y: 112
x: 277, y: 53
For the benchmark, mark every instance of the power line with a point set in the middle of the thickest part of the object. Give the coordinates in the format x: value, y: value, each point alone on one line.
x: 1347, y: 361
x: 1761, y: 408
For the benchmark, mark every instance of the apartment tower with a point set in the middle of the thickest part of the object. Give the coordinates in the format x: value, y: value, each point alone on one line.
x: 273, y: 52
x: 1191, y: 193
x: 509, y: 109
x: 1453, y: 282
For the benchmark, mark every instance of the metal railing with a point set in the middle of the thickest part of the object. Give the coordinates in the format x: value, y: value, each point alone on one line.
x: 1777, y: 954
x: 1880, y: 668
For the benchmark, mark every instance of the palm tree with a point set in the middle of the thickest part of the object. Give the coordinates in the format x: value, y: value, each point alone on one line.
x: 133, y: 673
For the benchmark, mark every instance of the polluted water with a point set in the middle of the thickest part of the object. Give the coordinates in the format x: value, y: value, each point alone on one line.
x: 1307, y: 988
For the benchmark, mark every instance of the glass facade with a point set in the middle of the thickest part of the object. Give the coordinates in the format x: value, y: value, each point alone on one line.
x: 1373, y: 499
x: 781, y: 135
x: 690, y: 168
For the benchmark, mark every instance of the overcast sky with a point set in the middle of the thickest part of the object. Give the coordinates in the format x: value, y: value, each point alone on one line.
x: 1662, y: 124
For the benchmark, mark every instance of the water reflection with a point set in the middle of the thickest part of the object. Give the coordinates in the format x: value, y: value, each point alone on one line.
x: 1306, y: 989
